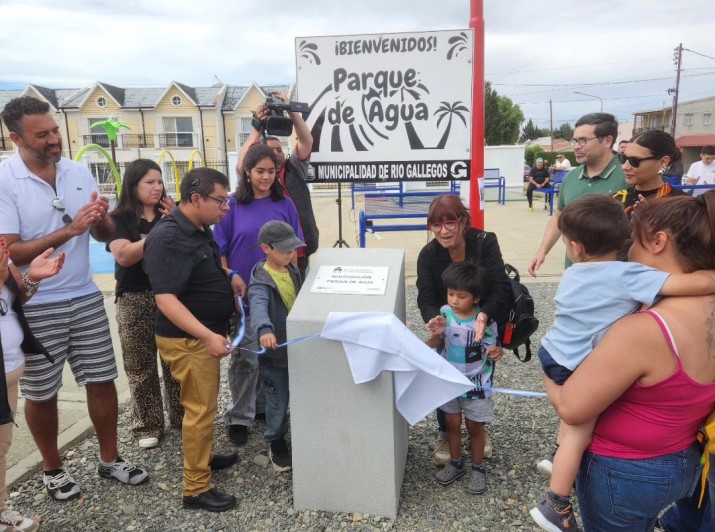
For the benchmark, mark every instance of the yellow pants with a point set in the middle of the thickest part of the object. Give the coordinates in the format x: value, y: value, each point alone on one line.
x: 199, y: 375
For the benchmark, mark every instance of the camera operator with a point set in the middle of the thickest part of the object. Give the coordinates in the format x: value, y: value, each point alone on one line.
x: 293, y: 172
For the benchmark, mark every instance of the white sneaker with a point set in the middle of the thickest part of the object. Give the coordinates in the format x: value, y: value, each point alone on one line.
x: 12, y: 521
x: 488, y: 449
x: 441, y: 456
x: 148, y: 443
x: 546, y: 466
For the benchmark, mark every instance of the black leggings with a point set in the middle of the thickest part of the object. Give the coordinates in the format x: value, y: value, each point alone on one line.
x: 530, y: 192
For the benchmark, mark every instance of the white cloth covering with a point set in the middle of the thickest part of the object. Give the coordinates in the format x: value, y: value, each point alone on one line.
x: 378, y: 341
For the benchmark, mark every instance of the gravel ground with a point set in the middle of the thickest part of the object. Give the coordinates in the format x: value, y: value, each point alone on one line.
x: 522, y: 434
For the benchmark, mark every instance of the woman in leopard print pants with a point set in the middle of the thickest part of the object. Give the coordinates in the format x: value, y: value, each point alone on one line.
x: 141, y: 205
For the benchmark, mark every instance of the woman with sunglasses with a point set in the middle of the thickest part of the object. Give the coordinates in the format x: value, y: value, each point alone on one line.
x: 16, y: 339
x: 259, y: 199
x: 142, y: 203
x: 646, y: 158
x: 456, y: 241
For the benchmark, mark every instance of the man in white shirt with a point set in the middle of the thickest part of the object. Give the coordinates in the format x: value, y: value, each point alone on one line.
x: 561, y: 164
x: 49, y: 201
x: 703, y: 171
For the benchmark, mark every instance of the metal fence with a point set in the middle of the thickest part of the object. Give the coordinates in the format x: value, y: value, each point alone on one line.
x: 104, y: 178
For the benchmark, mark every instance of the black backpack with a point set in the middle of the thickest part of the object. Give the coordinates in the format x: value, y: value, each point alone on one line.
x: 521, y: 322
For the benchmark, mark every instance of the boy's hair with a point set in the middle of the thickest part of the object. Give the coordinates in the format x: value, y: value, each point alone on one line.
x: 466, y: 277
x: 597, y: 221
x: 707, y: 150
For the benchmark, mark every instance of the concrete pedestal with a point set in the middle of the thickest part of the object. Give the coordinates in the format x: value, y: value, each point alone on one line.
x: 349, y: 441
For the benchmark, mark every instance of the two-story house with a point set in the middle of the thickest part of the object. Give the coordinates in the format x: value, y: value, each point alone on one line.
x: 178, y: 124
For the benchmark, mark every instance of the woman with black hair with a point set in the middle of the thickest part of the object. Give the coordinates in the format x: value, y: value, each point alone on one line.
x: 646, y: 159
x: 259, y: 199
x: 142, y: 203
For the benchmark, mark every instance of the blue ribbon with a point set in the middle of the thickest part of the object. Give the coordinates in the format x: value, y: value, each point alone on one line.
x: 242, y: 332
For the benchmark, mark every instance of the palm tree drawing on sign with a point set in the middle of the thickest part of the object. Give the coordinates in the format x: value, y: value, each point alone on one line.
x: 307, y: 50
x: 458, y: 43
x: 444, y: 110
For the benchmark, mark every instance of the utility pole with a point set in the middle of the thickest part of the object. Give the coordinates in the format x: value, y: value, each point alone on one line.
x: 678, y: 58
x: 551, y: 120
x: 476, y: 22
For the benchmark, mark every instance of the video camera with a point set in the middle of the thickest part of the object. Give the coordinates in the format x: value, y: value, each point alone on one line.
x: 278, y: 123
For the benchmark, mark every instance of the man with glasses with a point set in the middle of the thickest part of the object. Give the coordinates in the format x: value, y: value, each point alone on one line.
x: 48, y: 201
x: 562, y: 164
x: 599, y: 173
x: 195, y: 300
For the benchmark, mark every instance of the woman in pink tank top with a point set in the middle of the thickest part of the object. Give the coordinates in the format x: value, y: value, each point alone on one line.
x: 650, y: 381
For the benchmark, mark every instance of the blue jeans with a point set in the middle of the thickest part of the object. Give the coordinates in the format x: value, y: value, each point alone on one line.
x: 685, y: 514
x: 275, y: 386
x: 619, y: 494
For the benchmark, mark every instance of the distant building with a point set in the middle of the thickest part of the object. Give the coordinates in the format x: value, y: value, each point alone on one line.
x: 181, y: 120
x: 694, y: 125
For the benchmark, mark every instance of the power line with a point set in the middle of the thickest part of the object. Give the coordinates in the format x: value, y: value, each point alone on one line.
x: 698, y: 53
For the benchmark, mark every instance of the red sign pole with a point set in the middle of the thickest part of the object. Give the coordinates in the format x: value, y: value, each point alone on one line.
x: 476, y: 22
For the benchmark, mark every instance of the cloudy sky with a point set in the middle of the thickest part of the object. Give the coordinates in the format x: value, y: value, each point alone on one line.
x: 536, y: 51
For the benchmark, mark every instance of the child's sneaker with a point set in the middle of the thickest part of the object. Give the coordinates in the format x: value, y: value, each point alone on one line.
x: 441, y: 454
x: 280, y: 456
x: 477, y: 482
x: 60, y: 485
x: 546, y: 466
x: 12, y: 521
x: 123, y: 472
x: 554, y: 520
x: 449, y: 473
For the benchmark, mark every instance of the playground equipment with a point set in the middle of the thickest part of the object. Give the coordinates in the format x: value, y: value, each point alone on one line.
x: 175, y: 168
x: 115, y: 172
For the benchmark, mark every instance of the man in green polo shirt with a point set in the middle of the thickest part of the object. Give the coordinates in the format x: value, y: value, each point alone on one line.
x: 599, y: 173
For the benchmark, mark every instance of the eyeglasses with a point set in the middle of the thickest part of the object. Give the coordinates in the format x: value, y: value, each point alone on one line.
x: 582, y: 141
x: 59, y: 206
x: 635, y: 162
x: 3, y: 307
x: 449, y: 225
x: 221, y: 202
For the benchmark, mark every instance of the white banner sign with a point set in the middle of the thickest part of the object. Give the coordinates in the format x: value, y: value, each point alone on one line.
x: 388, y: 107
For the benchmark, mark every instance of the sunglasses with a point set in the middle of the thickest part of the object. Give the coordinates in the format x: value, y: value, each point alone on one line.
x: 449, y: 225
x: 635, y: 162
x: 59, y: 206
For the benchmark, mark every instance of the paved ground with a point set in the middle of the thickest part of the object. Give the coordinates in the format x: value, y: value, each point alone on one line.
x: 519, y: 232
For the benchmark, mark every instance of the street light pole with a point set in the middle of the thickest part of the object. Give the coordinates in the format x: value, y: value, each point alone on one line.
x: 591, y: 96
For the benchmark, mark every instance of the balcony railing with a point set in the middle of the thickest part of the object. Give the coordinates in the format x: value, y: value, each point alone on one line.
x: 637, y: 130
x: 137, y: 141
x: 177, y: 140
x: 99, y: 139
x: 6, y: 144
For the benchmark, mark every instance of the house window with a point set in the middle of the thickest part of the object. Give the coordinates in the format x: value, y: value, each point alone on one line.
x: 707, y: 119
x: 97, y: 135
x: 178, y: 132
x: 101, y: 101
x: 688, y: 120
x: 176, y: 100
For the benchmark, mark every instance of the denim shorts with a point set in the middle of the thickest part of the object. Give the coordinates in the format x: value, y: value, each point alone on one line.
x: 619, y: 494
x: 553, y: 370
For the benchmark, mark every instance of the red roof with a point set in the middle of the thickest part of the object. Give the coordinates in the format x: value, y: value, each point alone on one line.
x: 688, y: 141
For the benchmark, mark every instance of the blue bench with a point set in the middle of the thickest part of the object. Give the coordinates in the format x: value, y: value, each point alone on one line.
x: 396, y: 206
x: 693, y: 187
x: 492, y: 179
